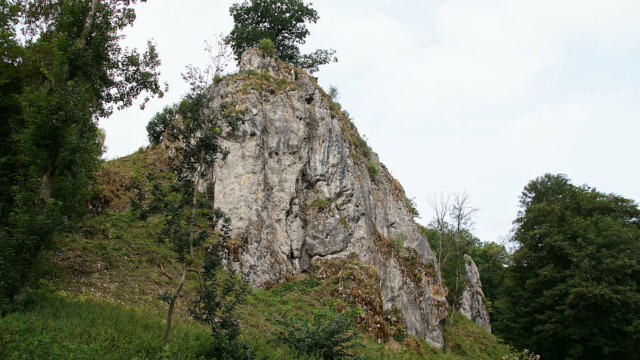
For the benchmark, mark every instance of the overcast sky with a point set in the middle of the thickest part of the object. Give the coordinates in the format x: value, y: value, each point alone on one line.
x: 454, y: 95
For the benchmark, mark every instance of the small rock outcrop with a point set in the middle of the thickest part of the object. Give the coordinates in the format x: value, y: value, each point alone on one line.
x: 298, y: 189
x: 471, y: 301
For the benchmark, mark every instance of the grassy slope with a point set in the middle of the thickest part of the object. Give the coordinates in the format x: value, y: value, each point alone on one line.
x: 102, y: 287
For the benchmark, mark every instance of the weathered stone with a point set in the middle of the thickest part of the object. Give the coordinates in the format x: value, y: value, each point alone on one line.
x: 298, y: 192
x: 471, y: 301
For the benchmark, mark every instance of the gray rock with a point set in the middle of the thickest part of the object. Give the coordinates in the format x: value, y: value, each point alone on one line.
x: 471, y: 301
x: 297, y: 192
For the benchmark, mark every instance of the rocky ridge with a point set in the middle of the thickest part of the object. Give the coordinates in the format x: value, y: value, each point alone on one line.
x: 297, y: 188
x: 471, y: 301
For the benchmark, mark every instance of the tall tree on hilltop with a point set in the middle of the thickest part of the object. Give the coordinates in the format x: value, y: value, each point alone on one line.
x: 572, y: 290
x: 282, y: 21
x: 65, y: 73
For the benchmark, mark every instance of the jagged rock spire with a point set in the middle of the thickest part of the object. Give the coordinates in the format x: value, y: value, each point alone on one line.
x: 472, y: 298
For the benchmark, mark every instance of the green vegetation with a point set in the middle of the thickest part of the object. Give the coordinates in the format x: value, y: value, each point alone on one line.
x: 114, y: 265
x: 263, y: 82
x: 188, y: 216
x: 449, y: 235
x: 398, y: 240
x: 320, y: 204
x: 411, y: 204
x: 578, y: 256
x: 374, y: 169
x: 64, y: 72
x: 60, y: 327
x: 160, y: 122
x: 281, y: 21
x: 267, y: 46
x: 329, y: 335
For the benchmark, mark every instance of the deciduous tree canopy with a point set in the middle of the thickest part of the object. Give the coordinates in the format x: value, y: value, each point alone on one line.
x: 65, y: 72
x: 282, y: 21
x: 572, y: 290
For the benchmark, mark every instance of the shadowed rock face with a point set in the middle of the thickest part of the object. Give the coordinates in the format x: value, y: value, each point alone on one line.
x: 298, y: 192
x: 471, y: 303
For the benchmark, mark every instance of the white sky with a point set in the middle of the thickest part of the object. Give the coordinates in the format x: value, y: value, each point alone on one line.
x: 454, y: 95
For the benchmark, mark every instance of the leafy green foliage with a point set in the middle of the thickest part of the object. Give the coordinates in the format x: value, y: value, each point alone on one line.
x: 374, y: 169
x: 160, y: 122
x: 216, y: 303
x: 281, y: 21
x: 66, y: 73
x: 267, y: 46
x: 492, y: 261
x: 411, y: 204
x: 573, y: 285
x: 330, y: 335
x: 189, y: 214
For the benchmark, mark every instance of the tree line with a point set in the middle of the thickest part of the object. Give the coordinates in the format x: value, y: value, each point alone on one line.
x: 569, y: 290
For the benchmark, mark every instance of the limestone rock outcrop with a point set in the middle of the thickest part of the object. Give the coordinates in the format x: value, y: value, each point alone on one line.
x: 297, y: 188
x: 471, y: 301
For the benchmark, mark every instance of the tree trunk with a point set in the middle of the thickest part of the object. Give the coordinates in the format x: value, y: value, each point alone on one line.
x: 89, y: 22
x: 176, y: 293
x: 455, y: 293
x: 172, y: 303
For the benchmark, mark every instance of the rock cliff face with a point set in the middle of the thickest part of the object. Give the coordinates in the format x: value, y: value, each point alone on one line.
x: 297, y: 188
x: 471, y: 303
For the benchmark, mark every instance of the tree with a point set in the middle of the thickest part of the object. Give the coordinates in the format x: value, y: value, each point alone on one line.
x: 217, y: 300
x: 330, y: 335
x: 492, y: 260
x: 190, y: 215
x: 284, y: 22
x: 441, y: 207
x: 462, y: 219
x: 65, y: 73
x: 450, y: 233
x: 572, y: 289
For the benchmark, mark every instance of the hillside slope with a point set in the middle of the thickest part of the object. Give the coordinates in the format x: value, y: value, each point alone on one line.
x: 106, y: 277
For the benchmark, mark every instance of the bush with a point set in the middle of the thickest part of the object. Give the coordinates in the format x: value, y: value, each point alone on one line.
x: 398, y: 240
x: 267, y: 46
x: 374, y: 169
x: 411, y: 204
x: 364, y: 147
x: 399, y: 335
x: 329, y: 336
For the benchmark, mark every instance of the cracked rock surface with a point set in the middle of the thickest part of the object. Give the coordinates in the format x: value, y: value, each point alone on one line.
x: 298, y: 192
x: 471, y: 301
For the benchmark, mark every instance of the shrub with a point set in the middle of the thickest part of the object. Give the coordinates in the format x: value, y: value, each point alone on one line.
x: 264, y: 76
x: 364, y: 147
x: 333, y: 93
x: 267, y: 46
x: 398, y: 240
x: 330, y: 335
x: 399, y: 335
x: 411, y: 204
x: 374, y: 169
